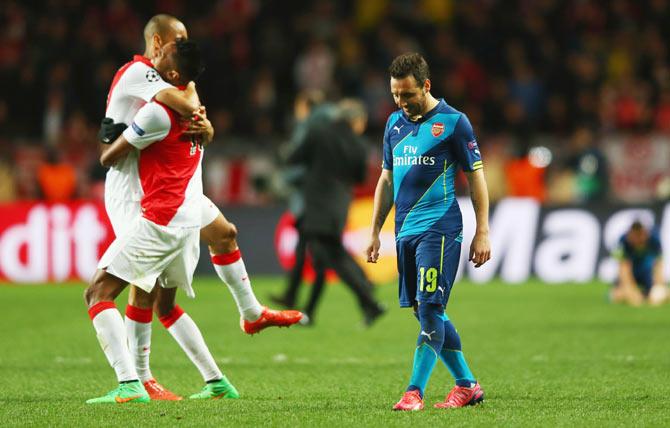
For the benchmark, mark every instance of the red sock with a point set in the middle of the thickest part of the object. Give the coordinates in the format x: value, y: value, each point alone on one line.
x: 172, y: 317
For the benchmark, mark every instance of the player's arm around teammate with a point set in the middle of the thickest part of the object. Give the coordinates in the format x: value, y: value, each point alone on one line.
x: 185, y: 102
x: 199, y: 126
x: 110, y: 154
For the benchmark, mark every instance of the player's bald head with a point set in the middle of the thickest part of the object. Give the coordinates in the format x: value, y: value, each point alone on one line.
x: 167, y: 27
x: 161, y: 30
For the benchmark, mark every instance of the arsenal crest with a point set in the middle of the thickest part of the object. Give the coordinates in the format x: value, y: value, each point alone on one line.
x: 438, y: 129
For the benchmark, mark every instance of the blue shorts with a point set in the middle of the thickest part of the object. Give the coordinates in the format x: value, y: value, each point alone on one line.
x: 427, y: 265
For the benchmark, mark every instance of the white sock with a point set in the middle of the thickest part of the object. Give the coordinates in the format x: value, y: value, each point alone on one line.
x: 109, y: 326
x: 138, y: 329
x: 233, y: 273
x: 188, y: 336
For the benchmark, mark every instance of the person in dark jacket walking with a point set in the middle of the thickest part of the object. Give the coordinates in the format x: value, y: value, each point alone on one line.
x: 306, y: 110
x: 335, y: 160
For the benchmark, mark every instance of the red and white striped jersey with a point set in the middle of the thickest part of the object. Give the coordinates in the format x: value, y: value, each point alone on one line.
x: 169, y: 166
x: 134, y: 85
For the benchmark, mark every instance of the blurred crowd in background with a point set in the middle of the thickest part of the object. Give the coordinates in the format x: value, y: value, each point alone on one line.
x: 570, y: 99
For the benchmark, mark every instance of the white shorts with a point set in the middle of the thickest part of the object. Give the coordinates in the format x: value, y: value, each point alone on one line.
x: 148, y: 252
x: 209, y: 211
x: 122, y: 213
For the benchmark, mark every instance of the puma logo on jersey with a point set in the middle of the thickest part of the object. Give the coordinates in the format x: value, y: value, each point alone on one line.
x: 397, y: 128
x: 428, y: 335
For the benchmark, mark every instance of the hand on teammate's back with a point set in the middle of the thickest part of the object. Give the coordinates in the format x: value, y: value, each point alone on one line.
x: 110, y: 131
x: 200, y: 125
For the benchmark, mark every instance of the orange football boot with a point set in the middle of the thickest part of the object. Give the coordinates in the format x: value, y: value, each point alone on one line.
x: 461, y: 396
x: 158, y: 392
x: 410, y: 401
x: 269, y: 318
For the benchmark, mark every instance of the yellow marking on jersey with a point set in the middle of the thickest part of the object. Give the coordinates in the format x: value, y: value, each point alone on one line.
x: 442, y: 255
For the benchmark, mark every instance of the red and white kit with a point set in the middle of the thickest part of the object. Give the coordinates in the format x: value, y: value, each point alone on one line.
x: 162, y: 243
x: 134, y: 85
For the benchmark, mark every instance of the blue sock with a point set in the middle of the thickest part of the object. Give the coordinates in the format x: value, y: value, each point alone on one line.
x: 452, y: 356
x: 428, y: 345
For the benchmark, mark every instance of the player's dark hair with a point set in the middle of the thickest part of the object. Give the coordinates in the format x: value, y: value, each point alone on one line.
x: 188, y: 60
x: 637, y: 225
x: 410, y: 64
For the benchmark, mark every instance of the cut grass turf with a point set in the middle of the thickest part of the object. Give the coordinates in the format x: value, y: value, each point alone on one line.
x: 545, y: 355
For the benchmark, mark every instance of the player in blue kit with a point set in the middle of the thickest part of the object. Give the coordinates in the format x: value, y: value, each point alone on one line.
x: 640, y: 268
x: 425, y: 141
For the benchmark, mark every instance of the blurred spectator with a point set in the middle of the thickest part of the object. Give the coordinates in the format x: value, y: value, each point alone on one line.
x: 314, y: 67
x: 53, y: 117
x: 57, y: 179
x: 525, y: 178
x: 589, y: 167
x: 525, y: 88
x: 662, y: 114
x: 7, y: 188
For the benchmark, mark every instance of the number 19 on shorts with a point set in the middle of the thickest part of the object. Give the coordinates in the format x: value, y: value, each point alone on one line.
x: 428, y: 279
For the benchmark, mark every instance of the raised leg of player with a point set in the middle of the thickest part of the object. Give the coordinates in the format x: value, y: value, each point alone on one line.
x: 111, y: 333
x: 221, y: 237
x: 230, y: 268
x: 184, y: 330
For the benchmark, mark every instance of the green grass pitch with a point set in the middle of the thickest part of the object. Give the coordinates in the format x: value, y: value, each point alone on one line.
x: 545, y: 355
